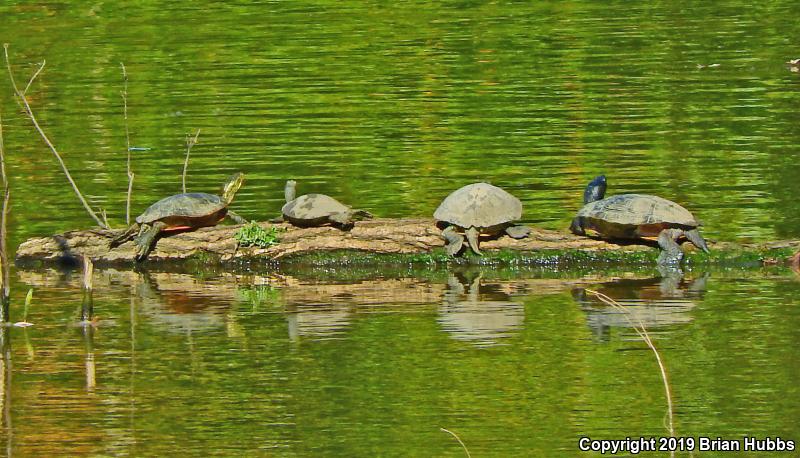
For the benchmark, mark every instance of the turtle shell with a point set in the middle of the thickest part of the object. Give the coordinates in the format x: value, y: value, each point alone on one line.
x: 195, y: 205
x: 638, y: 210
x: 312, y: 207
x: 479, y: 205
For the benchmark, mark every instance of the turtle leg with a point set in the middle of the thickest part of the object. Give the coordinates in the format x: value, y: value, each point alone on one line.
x: 518, y: 232
x: 671, y: 253
x: 277, y: 220
x: 343, y: 220
x: 146, y: 239
x: 362, y: 214
x: 454, y: 241
x: 472, y: 238
x: 236, y: 218
x: 124, y: 237
x: 577, y: 226
x: 697, y: 239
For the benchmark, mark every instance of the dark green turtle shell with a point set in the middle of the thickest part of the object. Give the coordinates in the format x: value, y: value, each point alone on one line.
x: 190, y: 206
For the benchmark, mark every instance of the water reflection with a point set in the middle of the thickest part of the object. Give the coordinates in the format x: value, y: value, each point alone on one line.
x: 654, y: 302
x: 176, y: 310
x: 476, y: 313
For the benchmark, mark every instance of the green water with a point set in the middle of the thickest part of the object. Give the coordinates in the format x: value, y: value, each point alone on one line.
x: 389, y: 107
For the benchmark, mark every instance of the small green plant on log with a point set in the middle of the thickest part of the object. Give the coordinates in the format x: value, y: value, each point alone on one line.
x: 251, y: 234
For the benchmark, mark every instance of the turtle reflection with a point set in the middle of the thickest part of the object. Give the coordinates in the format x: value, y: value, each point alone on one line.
x: 654, y: 302
x: 174, y: 303
x: 480, y: 314
x: 318, y: 323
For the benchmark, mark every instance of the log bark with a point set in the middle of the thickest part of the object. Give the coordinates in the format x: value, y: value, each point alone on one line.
x: 379, y: 236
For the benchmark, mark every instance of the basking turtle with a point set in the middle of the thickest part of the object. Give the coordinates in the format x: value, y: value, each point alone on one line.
x: 633, y: 216
x: 475, y: 209
x: 181, y: 212
x: 317, y: 210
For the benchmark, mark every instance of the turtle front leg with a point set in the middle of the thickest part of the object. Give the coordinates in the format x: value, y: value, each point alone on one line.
x: 518, y: 232
x: 236, y: 218
x: 125, y: 236
x: 454, y: 241
x: 671, y: 253
x: 577, y: 226
x: 146, y: 239
x: 342, y: 220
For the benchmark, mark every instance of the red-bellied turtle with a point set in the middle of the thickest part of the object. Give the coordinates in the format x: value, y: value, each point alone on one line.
x: 633, y: 216
x: 475, y: 209
x: 317, y: 210
x: 181, y: 212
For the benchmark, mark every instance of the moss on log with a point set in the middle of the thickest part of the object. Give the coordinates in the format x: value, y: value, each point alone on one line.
x: 374, y: 241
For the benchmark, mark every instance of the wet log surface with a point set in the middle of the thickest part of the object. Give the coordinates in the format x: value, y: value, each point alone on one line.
x: 379, y: 236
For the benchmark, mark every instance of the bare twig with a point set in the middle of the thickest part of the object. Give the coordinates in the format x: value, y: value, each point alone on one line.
x: 190, y: 142
x: 88, y: 272
x: 5, y: 287
x: 26, y: 106
x: 127, y: 144
x: 459, y: 441
x: 87, y: 309
x: 39, y: 70
x: 642, y: 331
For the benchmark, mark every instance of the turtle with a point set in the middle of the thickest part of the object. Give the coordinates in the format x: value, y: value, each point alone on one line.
x: 638, y: 216
x: 186, y: 211
x: 317, y: 210
x: 475, y: 209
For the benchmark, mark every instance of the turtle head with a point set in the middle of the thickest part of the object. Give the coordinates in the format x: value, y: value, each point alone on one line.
x: 290, y: 190
x: 596, y: 190
x: 231, y: 186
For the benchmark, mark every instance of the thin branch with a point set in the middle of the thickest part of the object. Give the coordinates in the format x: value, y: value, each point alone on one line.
x: 41, y: 67
x: 642, y: 331
x: 5, y: 285
x: 459, y: 441
x: 24, y: 101
x: 127, y: 144
x: 190, y: 142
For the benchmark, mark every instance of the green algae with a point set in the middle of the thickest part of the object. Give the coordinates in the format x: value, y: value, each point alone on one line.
x: 568, y: 258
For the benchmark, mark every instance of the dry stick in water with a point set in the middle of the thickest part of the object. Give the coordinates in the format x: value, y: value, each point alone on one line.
x: 87, y: 309
x: 642, y: 331
x: 127, y: 144
x: 459, y: 441
x: 190, y: 142
x: 28, y: 111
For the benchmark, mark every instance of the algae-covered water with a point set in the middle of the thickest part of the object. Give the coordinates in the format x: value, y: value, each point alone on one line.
x: 389, y: 107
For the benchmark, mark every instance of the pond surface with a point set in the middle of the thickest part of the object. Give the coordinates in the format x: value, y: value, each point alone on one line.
x: 389, y: 107
x: 517, y: 363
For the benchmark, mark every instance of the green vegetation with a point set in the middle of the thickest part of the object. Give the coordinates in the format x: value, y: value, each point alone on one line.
x: 251, y: 234
x: 734, y: 257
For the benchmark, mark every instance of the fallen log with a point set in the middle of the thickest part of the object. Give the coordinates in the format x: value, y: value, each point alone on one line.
x: 401, y: 237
